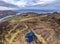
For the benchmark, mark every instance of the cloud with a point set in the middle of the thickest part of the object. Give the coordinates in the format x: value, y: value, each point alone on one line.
x: 6, y: 8
x: 39, y: 2
x: 32, y: 4
x: 55, y: 6
x: 24, y: 3
x: 2, y: 3
x: 15, y: 2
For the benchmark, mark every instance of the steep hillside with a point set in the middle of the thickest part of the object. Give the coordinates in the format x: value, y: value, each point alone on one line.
x: 31, y: 29
x: 4, y: 13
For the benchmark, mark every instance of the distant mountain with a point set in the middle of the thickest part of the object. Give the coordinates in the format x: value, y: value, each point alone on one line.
x: 36, y: 10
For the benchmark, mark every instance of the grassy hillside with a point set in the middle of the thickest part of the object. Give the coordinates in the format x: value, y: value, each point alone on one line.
x: 7, y: 13
x: 46, y: 28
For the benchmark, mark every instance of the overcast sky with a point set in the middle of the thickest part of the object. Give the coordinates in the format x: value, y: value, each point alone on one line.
x: 30, y: 4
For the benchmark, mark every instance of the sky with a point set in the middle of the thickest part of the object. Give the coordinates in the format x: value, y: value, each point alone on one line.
x: 24, y: 3
x: 30, y: 4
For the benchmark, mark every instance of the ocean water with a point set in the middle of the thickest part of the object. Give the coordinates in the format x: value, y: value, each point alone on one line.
x: 30, y: 37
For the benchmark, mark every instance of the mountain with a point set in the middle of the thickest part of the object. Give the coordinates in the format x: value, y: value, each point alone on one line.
x: 4, y: 13
x: 36, y: 10
x: 42, y: 29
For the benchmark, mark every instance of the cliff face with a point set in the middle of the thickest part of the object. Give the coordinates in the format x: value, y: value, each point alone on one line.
x: 45, y: 27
